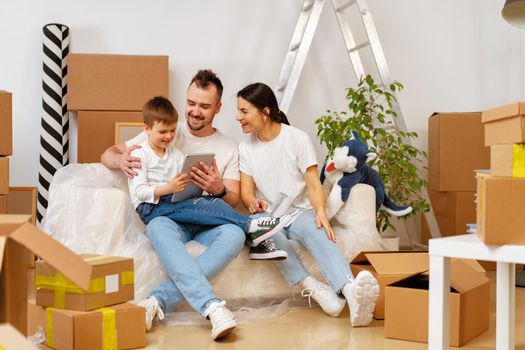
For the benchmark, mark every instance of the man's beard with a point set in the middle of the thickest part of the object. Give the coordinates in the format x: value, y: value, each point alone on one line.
x: 196, y: 128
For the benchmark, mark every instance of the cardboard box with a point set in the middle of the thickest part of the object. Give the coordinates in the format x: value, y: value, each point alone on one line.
x: 453, y: 211
x: 111, y: 283
x: 96, y: 132
x: 406, y: 305
x: 3, y: 204
x: 4, y: 175
x: 117, y: 327
x: 507, y: 160
x: 115, y: 82
x: 11, y: 339
x: 6, y: 121
x: 505, y: 124
x: 500, y: 208
x: 19, y: 200
x: 17, y: 239
x: 455, y: 150
x: 388, y: 267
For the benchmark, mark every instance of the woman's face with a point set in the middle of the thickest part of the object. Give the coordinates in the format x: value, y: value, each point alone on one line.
x: 250, y: 118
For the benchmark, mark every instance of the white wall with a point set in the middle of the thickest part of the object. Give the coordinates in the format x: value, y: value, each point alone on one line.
x: 451, y: 55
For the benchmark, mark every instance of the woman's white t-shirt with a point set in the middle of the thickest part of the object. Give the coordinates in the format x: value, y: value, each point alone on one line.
x: 277, y: 168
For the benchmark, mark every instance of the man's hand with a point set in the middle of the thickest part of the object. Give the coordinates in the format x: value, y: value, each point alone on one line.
x: 207, y: 177
x: 321, y: 220
x: 257, y: 206
x: 127, y: 163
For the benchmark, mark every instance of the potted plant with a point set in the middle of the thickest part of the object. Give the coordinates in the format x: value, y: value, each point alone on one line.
x: 371, y: 114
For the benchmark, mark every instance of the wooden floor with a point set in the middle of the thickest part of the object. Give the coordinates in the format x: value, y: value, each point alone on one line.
x: 312, y: 329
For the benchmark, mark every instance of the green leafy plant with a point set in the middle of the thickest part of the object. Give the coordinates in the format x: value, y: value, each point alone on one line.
x: 371, y: 113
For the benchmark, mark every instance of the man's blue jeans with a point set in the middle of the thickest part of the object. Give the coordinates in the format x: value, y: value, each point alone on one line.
x: 199, y: 210
x: 188, y: 277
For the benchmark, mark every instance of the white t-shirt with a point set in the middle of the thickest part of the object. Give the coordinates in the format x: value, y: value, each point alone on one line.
x: 155, y: 171
x: 277, y: 167
x: 225, y: 149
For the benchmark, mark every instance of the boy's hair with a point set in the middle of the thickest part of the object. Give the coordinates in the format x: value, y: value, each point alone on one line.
x: 205, y: 77
x: 159, y: 109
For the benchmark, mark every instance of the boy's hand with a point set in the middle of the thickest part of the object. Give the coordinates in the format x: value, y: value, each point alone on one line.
x: 207, y: 177
x: 126, y: 162
x: 179, y: 182
x: 257, y: 206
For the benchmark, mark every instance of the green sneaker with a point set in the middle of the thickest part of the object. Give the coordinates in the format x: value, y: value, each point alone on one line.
x: 267, y: 251
x: 266, y: 228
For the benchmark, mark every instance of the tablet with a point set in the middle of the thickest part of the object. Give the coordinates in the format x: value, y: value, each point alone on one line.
x: 191, y: 160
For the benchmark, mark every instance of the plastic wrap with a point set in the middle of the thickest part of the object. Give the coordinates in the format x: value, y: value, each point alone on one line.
x: 90, y: 212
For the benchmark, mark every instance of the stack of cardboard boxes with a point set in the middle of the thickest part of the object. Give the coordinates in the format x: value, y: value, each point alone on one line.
x: 106, y: 89
x: 455, y: 149
x: 501, y: 193
x: 6, y: 146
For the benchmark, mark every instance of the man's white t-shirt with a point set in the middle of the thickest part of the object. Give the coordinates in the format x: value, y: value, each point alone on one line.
x: 277, y: 167
x: 225, y: 149
x: 155, y: 171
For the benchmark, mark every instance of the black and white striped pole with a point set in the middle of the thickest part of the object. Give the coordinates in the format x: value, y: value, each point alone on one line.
x: 54, y: 136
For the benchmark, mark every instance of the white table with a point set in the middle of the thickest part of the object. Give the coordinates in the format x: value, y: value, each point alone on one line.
x: 470, y: 247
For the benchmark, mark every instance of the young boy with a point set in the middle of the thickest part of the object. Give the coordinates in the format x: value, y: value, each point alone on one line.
x: 159, y: 178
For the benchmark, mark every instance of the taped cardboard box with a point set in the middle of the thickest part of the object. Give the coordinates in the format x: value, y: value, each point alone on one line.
x: 116, y: 327
x: 111, y: 283
x: 388, y: 267
x: 19, y: 200
x: 6, y: 116
x: 507, y: 160
x: 499, y: 210
x: 505, y: 124
x: 453, y: 211
x: 96, y: 132
x: 4, y: 175
x: 406, y: 305
x: 455, y: 150
x: 11, y: 339
x: 115, y: 82
x: 17, y: 239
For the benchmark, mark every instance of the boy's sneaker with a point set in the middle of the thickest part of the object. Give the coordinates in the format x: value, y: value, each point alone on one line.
x: 263, y: 228
x: 361, y: 295
x: 323, y: 295
x: 266, y: 250
x: 222, y: 320
x: 153, y: 309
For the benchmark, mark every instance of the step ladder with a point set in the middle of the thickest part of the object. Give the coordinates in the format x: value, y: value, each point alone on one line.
x: 298, y: 50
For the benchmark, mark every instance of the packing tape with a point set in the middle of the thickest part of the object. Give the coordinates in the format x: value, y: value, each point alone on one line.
x: 2, y: 347
x: 61, y: 285
x: 518, y: 160
x: 109, y: 328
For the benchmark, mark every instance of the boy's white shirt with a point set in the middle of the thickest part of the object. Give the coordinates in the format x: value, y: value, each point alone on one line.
x: 155, y: 171
x: 277, y: 168
x: 225, y: 149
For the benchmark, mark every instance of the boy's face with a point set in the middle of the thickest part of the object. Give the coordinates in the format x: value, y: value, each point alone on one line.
x: 160, y: 134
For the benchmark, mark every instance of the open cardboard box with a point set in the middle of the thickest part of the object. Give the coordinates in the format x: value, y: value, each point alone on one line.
x: 406, y: 305
x: 388, y: 267
x: 11, y: 339
x: 18, y: 238
x: 505, y: 124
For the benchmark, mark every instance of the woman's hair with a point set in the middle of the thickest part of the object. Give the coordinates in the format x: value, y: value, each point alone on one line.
x: 261, y: 96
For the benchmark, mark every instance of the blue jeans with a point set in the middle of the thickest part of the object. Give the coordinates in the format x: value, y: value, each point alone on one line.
x: 325, y: 252
x: 188, y: 277
x: 199, y: 210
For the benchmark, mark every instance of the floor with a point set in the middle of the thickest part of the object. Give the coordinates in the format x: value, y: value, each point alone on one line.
x: 310, y: 328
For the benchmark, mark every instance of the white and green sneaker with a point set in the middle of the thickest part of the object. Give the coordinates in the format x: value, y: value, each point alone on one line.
x: 263, y: 228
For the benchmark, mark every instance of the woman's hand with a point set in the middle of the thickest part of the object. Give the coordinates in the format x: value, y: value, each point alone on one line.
x: 321, y: 220
x: 179, y: 182
x: 257, y: 206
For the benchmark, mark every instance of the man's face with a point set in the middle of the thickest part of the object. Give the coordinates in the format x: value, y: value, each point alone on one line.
x: 201, y: 107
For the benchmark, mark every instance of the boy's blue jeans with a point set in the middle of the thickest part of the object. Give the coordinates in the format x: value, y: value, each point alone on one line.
x: 206, y: 210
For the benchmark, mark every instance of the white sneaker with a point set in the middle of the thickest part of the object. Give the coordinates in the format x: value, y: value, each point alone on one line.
x: 361, y: 294
x: 153, y: 310
x: 222, y: 320
x: 323, y: 295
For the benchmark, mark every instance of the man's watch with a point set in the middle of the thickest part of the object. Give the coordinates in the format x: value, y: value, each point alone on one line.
x: 222, y: 193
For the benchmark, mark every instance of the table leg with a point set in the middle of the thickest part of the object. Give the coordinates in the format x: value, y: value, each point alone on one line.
x: 505, y: 301
x: 438, y: 303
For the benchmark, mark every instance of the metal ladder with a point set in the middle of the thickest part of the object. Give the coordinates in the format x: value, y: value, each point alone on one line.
x: 298, y: 50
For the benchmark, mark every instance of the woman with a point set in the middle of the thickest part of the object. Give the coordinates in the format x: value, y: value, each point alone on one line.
x: 279, y: 176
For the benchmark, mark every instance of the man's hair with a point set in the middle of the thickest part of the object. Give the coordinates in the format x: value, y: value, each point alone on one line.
x: 159, y: 109
x: 204, y: 78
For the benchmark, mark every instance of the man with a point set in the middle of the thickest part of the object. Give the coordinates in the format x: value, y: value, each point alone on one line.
x: 189, y: 277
